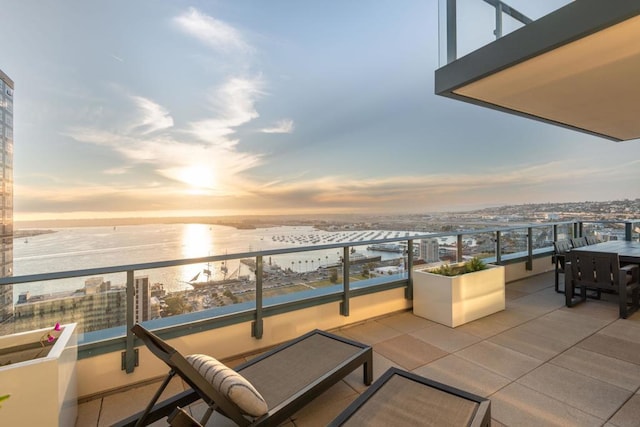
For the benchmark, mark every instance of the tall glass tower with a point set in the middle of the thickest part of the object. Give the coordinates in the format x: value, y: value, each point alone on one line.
x: 6, y: 193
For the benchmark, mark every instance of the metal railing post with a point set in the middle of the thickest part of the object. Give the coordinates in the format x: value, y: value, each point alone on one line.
x: 257, y: 325
x: 498, y: 31
x: 498, y: 248
x: 459, y: 248
x: 628, y: 231
x: 409, y: 291
x: 452, y: 31
x: 344, y: 305
x: 529, y: 263
x: 130, y: 355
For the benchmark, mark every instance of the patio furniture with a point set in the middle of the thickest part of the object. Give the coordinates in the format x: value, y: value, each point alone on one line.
x: 561, y: 248
x: 283, y: 380
x: 592, y: 240
x: 578, y: 242
x: 401, y: 398
x: 602, y: 271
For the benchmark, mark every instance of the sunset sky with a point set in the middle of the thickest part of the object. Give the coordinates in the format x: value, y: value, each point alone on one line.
x: 167, y: 107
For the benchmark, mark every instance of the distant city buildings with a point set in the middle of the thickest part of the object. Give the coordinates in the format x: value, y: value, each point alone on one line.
x: 429, y: 250
x: 6, y: 194
x: 97, y: 306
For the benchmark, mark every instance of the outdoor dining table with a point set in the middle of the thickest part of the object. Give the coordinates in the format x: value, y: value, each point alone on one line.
x: 628, y: 252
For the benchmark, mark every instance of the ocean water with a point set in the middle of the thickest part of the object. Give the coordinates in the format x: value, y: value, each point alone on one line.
x: 90, y: 247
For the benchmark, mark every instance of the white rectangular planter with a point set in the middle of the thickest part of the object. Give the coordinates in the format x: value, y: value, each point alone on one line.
x: 43, y: 390
x: 456, y: 300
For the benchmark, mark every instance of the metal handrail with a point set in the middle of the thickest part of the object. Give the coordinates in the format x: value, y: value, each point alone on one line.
x: 259, y: 311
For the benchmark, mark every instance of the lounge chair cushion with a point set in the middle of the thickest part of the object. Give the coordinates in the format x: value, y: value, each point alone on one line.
x: 230, y: 384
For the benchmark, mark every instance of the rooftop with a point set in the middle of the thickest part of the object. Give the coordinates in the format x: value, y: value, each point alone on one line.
x: 539, y: 362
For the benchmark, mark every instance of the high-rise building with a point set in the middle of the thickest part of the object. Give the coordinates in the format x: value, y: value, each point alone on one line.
x: 142, y: 299
x: 6, y: 193
x: 429, y: 250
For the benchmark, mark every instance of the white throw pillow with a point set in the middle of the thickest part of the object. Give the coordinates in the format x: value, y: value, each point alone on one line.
x: 230, y: 384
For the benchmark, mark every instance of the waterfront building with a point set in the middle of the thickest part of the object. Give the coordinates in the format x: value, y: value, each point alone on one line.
x: 429, y: 250
x: 97, y: 306
x: 6, y: 193
x: 142, y: 299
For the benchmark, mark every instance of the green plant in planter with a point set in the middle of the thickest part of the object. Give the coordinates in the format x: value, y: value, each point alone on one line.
x: 474, y: 264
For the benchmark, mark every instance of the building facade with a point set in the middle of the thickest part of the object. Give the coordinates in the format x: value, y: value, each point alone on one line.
x: 430, y: 250
x: 6, y: 194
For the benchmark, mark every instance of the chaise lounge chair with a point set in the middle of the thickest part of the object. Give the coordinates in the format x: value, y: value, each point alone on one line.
x: 262, y: 392
x: 400, y: 398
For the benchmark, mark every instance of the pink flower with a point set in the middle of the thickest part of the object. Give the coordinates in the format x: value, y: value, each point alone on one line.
x: 57, y: 327
x: 50, y: 338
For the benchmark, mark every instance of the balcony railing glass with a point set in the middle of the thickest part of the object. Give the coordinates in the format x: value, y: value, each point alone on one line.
x: 467, y: 25
x: 249, y: 286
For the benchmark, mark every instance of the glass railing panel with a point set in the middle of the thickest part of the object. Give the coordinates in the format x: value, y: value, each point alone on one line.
x: 542, y: 237
x: 564, y: 232
x: 93, y: 302
x: 478, y: 23
x: 479, y: 244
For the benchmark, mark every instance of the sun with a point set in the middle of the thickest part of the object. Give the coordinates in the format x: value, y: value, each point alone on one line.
x: 198, y: 176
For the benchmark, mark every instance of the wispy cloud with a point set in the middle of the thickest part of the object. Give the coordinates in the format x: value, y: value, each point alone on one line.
x: 212, y: 32
x: 152, y: 118
x: 281, y: 126
x: 232, y: 105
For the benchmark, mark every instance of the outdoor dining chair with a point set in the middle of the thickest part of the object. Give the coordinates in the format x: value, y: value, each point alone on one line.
x: 602, y: 271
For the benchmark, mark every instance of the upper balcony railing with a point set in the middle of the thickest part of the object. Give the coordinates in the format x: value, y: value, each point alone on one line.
x: 277, y: 281
x: 467, y: 25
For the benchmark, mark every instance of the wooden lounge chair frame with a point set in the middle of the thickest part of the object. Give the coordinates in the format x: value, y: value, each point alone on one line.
x: 602, y: 271
x: 352, y: 354
x: 377, y: 407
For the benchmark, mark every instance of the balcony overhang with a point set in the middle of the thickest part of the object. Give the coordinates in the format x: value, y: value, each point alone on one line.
x: 578, y: 67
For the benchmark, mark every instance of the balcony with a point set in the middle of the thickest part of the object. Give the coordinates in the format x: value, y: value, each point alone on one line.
x: 528, y: 360
x: 574, y: 67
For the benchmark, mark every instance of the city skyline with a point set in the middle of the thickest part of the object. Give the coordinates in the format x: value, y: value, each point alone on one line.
x: 230, y: 108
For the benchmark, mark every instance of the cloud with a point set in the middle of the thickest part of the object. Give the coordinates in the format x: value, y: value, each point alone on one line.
x: 281, y: 126
x: 233, y: 104
x: 153, y: 116
x: 212, y: 32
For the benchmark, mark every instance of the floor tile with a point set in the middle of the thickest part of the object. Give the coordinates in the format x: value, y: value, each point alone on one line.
x: 517, y: 405
x: 594, y: 397
x: 370, y: 332
x: 448, y: 339
x: 623, y: 329
x: 501, y: 360
x: 536, y: 346
x: 405, y: 322
x: 121, y: 405
x: 325, y: 407
x: 613, y: 347
x: 604, y: 368
x: 409, y: 352
x: 460, y: 373
x: 89, y: 413
x: 629, y: 414
x: 380, y: 365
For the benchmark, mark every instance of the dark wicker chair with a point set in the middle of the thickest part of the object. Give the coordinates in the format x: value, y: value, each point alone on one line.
x: 578, y: 242
x: 561, y: 249
x: 287, y: 377
x: 602, y: 271
x: 592, y: 240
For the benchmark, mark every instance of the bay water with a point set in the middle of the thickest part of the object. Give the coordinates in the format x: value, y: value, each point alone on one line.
x: 76, y: 248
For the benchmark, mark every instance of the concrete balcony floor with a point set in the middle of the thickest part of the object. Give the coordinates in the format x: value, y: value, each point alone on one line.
x: 539, y: 362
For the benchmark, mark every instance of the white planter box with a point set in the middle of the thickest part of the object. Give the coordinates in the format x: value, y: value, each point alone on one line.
x: 456, y: 300
x: 43, y: 390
